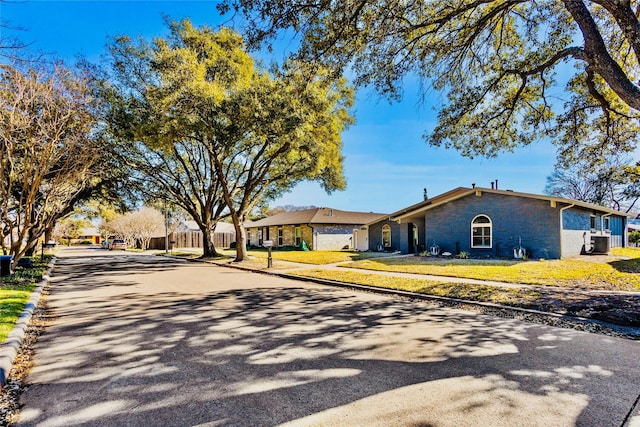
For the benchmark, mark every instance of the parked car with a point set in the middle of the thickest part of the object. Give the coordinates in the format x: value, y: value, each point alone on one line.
x: 118, y: 244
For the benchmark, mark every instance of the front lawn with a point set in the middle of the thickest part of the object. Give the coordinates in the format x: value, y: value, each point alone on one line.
x: 310, y: 257
x: 618, y: 274
x: 487, y: 293
x: 15, y: 291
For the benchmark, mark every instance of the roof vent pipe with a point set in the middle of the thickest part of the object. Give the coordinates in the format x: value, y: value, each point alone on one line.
x: 496, y: 184
x: 492, y: 184
x: 424, y: 194
x: 473, y: 185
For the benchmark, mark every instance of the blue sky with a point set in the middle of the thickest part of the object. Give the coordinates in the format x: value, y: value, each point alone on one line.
x: 387, y: 161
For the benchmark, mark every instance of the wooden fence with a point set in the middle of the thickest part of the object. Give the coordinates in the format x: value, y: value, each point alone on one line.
x: 192, y: 239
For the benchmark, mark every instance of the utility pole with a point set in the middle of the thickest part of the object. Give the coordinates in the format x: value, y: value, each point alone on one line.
x: 166, y: 228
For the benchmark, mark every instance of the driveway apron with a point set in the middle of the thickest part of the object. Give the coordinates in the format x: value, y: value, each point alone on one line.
x: 139, y: 340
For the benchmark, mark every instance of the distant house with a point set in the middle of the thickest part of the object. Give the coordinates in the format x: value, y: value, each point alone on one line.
x: 318, y: 228
x: 89, y: 234
x: 494, y: 223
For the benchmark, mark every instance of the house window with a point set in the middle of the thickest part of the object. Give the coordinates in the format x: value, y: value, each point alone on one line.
x: 606, y: 224
x: 481, y: 228
x: 260, y: 236
x: 280, y: 237
x: 386, y: 236
x: 298, y: 236
x: 592, y: 223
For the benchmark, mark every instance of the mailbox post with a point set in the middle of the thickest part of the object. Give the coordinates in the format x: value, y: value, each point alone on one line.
x: 268, y: 244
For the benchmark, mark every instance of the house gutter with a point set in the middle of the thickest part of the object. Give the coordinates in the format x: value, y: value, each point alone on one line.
x: 562, y: 224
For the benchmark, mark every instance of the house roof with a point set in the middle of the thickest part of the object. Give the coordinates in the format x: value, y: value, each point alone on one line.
x: 461, y: 192
x: 316, y: 216
x: 90, y: 231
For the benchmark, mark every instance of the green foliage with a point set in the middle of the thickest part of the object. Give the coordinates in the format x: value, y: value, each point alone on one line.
x: 634, y: 237
x: 215, y: 133
x: 51, y: 149
x: 502, y: 65
x: 15, y: 291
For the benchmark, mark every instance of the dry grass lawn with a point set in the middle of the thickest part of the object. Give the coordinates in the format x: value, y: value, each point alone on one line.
x: 619, y: 273
x: 495, y: 294
x: 310, y: 257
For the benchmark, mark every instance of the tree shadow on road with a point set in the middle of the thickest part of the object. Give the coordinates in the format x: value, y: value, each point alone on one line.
x: 273, y: 356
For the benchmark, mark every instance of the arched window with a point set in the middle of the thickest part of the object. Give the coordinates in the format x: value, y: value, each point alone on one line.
x: 481, y: 230
x: 386, y: 236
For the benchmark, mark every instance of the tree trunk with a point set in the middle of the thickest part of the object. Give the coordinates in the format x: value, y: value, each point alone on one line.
x: 209, y: 249
x: 241, y: 238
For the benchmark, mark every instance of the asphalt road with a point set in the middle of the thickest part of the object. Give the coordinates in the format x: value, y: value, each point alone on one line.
x: 148, y: 341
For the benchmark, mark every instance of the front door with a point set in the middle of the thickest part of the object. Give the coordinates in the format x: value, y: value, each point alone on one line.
x: 413, y: 238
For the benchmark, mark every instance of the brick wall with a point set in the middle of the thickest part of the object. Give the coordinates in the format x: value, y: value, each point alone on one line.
x: 375, y: 235
x: 534, y: 221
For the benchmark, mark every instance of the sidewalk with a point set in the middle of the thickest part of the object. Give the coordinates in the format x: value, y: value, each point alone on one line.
x: 602, y: 311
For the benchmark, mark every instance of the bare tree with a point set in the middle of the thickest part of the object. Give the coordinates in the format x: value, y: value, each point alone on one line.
x: 136, y: 226
x: 147, y: 223
x: 70, y: 229
x: 612, y: 185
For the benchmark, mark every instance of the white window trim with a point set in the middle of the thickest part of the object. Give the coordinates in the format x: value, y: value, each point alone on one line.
x: 386, y: 227
x: 297, y: 235
x: 484, y: 224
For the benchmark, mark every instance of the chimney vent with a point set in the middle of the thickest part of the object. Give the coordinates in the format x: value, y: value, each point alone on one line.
x: 492, y: 184
x: 424, y: 194
x: 496, y: 184
x: 473, y: 185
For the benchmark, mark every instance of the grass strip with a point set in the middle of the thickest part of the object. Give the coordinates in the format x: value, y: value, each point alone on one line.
x: 15, y: 291
x: 484, y: 293
x: 614, y: 275
x: 310, y: 257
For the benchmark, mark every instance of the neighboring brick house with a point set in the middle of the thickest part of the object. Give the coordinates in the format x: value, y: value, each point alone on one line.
x: 492, y: 222
x: 319, y: 228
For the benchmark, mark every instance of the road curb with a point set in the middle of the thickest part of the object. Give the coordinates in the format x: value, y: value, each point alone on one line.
x: 9, y: 349
x: 553, y: 319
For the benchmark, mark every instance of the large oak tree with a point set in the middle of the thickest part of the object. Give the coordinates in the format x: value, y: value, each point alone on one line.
x: 240, y: 133
x: 513, y: 71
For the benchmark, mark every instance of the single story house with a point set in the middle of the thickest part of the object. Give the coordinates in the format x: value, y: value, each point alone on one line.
x: 89, y: 234
x: 318, y: 228
x: 497, y: 223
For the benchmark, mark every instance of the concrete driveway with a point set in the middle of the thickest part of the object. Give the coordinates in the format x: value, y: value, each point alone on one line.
x: 148, y: 341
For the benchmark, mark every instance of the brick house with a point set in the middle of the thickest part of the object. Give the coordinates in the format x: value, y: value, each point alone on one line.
x: 318, y: 228
x: 492, y: 222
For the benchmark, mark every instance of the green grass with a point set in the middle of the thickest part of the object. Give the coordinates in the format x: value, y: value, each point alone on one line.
x: 15, y: 291
x: 617, y: 275
x: 486, y: 293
